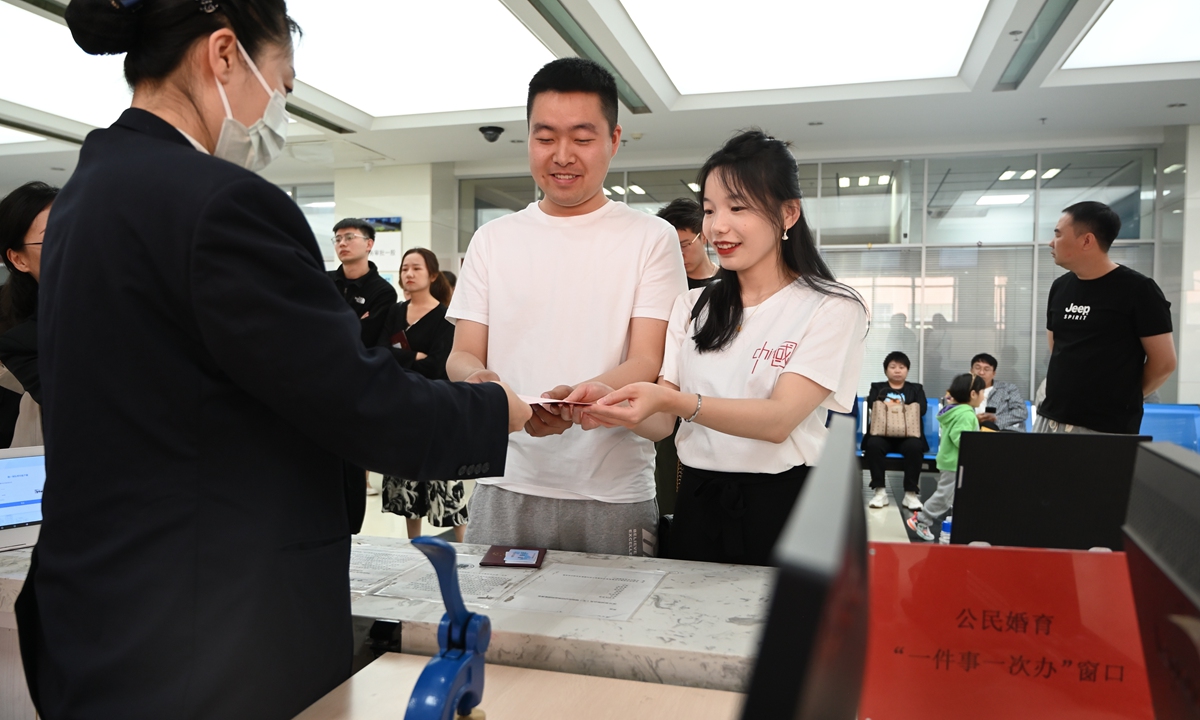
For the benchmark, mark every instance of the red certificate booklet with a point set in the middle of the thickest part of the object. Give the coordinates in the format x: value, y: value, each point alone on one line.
x: 400, y: 340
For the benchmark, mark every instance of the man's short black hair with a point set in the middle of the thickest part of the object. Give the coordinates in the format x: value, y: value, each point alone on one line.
x: 984, y: 357
x: 684, y: 214
x: 576, y: 75
x: 1096, y: 218
x: 899, y: 357
x: 355, y: 224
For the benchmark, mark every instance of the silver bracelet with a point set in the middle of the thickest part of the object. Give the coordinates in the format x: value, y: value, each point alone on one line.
x: 699, y: 402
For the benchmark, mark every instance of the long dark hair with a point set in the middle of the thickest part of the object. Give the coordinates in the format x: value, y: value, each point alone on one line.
x: 439, y: 286
x: 18, y: 297
x: 760, y: 169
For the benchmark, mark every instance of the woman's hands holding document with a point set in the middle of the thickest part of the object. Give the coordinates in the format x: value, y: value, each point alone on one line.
x: 649, y: 409
x: 630, y: 405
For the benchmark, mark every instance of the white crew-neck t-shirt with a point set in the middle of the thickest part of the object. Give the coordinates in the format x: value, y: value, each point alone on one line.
x: 796, y: 330
x: 557, y: 295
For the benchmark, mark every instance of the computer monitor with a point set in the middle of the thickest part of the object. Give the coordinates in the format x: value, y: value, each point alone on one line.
x: 22, y: 475
x: 1043, y: 490
x: 814, y: 645
x: 1162, y: 546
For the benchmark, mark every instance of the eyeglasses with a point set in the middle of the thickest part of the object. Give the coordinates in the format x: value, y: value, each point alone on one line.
x: 339, y: 239
x: 689, y: 243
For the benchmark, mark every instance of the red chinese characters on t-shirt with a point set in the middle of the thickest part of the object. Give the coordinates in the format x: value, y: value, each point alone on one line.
x: 778, y: 356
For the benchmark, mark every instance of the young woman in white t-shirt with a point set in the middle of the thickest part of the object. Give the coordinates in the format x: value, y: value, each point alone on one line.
x: 752, y: 362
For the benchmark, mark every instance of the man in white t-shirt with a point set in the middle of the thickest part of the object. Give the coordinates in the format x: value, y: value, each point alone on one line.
x: 573, y: 288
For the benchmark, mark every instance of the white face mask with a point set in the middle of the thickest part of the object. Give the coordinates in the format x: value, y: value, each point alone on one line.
x: 255, y: 147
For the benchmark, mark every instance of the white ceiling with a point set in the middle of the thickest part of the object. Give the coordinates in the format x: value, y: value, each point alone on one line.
x: 397, y: 61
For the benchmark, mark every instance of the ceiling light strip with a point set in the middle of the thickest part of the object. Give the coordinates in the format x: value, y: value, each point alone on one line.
x: 1039, y: 35
x: 40, y: 131
x: 583, y: 45
x: 316, y: 119
x: 48, y: 6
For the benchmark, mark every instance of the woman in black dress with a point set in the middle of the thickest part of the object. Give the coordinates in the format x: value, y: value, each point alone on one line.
x: 420, y: 338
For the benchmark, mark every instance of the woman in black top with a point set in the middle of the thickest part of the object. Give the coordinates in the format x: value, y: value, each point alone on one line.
x: 420, y: 338
x: 895, y: 389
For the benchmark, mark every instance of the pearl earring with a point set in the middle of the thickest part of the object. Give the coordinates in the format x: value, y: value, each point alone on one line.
x: 785, y: 237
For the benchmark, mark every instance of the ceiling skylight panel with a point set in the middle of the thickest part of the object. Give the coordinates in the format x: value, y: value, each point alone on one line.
x: 399, y: 58
x: 718, y: 46
x: 46, y: 70
x: 9, y: 136
x: 1141, y: 32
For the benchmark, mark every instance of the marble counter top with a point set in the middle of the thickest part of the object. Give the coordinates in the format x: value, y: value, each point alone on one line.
x: 699, y: 628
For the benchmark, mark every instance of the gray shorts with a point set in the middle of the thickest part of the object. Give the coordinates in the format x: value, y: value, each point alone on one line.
x: 503, y: 517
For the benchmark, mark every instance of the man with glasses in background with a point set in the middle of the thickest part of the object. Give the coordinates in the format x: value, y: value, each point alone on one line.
x: 358, y: 280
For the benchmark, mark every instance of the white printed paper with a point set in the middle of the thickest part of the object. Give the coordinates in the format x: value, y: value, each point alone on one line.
x: 372, y: 565
x: 584, y: 591
x: 478, y: 584
x: 547, y: 402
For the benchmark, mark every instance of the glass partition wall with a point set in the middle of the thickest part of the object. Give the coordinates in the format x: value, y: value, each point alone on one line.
x: 950, y: 254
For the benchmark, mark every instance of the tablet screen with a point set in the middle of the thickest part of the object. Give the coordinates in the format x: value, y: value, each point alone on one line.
x: 21, y: 481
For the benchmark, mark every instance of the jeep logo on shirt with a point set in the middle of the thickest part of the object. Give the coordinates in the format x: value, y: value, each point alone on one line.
x: 1076, y: 312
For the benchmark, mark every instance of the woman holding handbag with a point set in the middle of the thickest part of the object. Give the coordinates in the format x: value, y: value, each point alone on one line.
x: 890, y: 429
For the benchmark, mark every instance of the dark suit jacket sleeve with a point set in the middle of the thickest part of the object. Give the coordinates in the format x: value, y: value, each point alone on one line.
x: 18, y: 352
x: 276, y: 326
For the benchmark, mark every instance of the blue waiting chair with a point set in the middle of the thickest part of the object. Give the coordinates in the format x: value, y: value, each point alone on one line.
x: 1179, y: 424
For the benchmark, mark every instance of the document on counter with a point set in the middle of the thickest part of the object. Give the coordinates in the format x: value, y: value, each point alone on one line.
x: 585, y: 591
x: 478, y: 584
x: 374, y: 565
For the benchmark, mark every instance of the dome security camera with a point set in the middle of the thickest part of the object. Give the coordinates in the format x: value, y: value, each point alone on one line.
x: 491, y: 133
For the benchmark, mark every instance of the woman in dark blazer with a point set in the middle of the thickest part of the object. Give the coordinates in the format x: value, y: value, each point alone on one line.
x: 895, y: 389
x: 201, y: 381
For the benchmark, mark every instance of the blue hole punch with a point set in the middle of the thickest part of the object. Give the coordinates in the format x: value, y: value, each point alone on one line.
x: 452, y: 682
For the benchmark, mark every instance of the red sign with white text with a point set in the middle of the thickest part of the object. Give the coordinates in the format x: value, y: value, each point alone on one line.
x: 993, y: 633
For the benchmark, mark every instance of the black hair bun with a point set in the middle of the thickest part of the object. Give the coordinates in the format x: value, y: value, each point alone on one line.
x: 102, y: 27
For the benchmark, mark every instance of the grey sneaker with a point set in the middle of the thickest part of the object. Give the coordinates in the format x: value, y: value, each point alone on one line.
x: 921, y: 529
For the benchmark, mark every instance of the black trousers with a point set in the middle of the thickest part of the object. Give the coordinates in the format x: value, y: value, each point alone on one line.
x: 876, y: 447
x: 732, y: 517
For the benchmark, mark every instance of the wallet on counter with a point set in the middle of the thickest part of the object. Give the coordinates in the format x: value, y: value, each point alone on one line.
x: 513, y: 556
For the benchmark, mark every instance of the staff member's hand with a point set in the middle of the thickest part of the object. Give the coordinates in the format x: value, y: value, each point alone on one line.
x: 630, y: 405
x: 518, y: 411
x: 546, y: 422
x: 987, y: 417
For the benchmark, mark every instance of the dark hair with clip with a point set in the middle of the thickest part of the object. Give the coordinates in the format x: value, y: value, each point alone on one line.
x: 155, y: 35
x: 963, y: 385
x: 18, y: 297
x: 761, y: 170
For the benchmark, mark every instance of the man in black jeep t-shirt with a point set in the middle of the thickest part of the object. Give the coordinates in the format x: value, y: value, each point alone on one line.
x: 1109, y: 329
